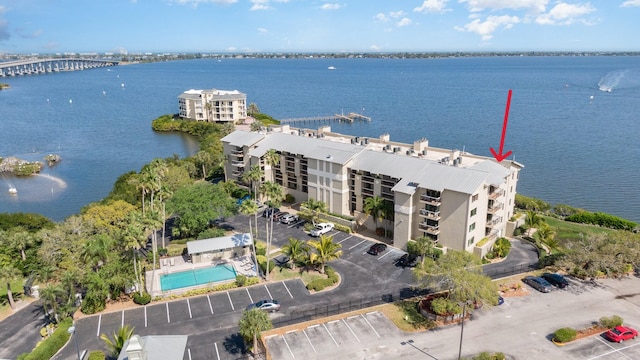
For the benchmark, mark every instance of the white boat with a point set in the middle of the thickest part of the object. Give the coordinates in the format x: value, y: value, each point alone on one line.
x: 13, y: 190
x: 331, y: 68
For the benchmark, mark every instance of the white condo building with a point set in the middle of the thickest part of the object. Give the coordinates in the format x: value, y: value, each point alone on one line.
x: 213, y: 105
x: 451, y: 196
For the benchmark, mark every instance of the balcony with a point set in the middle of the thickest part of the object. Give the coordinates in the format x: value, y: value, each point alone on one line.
x: 492, y: 223
x: 237, y: 153
x: 237, y: 163
x: 496, y: 194
x: 431, y: 200
x: 236, y: 173
x: 429, y: 229
x: 433, y: 215
x: 495, y: 207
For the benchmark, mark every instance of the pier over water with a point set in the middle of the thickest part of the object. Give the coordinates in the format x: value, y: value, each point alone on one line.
x: 350, y: 117
x: 40, y: 66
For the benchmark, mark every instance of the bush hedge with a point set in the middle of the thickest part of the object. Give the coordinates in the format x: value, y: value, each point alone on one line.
x: 320, y: 284
x: 565, y: 335
x: 96, y: 355
x: 53, y: 343
x: 143, y: 299
x: 611, y: 322
x: 602, y: 219
x: 262, y: 262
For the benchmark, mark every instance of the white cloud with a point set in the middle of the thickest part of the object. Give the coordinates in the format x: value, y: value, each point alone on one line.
x: 630, y: 3
x: 260, y: 5
x: 381, y: 17
x: 490, y: 25
x: 374, y: 48
x: 531, y: 5
x: 404, y: 22
x: 432, y: 6
x: 263, y: 31
x: 334, y: 6
x: 195, y: 3
x: 565, y: 14
x: 396, y: 14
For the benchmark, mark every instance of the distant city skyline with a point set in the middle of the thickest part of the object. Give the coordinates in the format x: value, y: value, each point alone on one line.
x: 233, y: 26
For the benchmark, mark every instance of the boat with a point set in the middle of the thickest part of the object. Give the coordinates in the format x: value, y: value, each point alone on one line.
x: 331, y: 68
x: 13, y: 190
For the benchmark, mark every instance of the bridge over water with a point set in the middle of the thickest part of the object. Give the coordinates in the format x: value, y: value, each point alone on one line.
x: 39, y: 66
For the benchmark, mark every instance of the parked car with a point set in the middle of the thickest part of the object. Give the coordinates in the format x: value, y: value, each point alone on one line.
x: 277, y: 216
x: 407, y: 260
x: 556, y: 280
x: 289, y: 219
x: 377, y: 248
x: 538, y: 283
x: 270, y: 211
x: 621, y: 333
x: 266, y: 305
x: 321, y: 229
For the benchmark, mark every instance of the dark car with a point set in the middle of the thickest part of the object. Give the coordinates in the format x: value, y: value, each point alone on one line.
x: 407, y: 260
x: 376, y: 249
x: 270, y: 211
x: 556, y: 280
x: 266, y: 305
x: 538, y: 283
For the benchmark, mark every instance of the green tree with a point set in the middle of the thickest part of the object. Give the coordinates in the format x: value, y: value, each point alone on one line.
x: 274, y: 195
x: 252, y: 323
x: 96, y: 250
x: 203, y: 160
x: 316, y: 207
x: 295, y: 250
x: 272, y: 158
x: 532, y: 221
x: 424, y: 247
x: 117, y: 341
x: 546, y: 235
x: 50, y: 296
x: 20, y: 239
x: 253, y: 176
x: 256, y: 125
x: 7, y: 275
x: 374, y: 206
x: 134, y: 239
x: 249, y: 208
x: 253, y: 109
x: 326, y: 250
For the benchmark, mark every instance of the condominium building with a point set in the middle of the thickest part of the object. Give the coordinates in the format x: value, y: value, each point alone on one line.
x: 213, y: 105
x: 451, y: 196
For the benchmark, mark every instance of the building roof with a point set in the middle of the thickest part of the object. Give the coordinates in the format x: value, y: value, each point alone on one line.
x: 419, y: 172
x: 309, y: 147
x: 497, y: 172
x: 158, y: 347
x: 220, y: 243
x: 242, y: 138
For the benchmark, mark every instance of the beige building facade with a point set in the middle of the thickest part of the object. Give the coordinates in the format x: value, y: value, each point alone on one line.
x: 451, y: 196
x: 213, y: 105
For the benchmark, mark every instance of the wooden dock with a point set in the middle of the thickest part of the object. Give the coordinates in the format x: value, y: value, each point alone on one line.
x: 350, y: 117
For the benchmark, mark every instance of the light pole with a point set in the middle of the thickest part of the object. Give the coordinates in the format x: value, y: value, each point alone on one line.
x: 464, y: 314
x: 72, y: 331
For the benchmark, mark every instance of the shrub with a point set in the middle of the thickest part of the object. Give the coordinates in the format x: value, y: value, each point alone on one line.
x: 439, y: 306
x: 320, y: 284
x: 611, y: 322
x: 261, y: 248
x: 262, y: 262
x: 501, y: 247
x: 529, y: 203
x: 96, y: 355
x: 241, y: 280
x: 52, y: 344
x: 342, y: 228
x: 602, y: 219
x: 143, y: 299
x: 289, y: 199
x: 565, y: 335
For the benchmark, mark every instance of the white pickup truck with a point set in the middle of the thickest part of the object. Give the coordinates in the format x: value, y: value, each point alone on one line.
x: 321, y: 229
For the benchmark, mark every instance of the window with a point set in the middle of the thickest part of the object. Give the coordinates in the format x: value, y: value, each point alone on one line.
x: 474, y: 198
x: 474, y: 211
x: 472, y: 227
x: 470, y: 241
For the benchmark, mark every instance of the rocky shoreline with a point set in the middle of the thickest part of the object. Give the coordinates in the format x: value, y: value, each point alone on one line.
x: 20, y: 167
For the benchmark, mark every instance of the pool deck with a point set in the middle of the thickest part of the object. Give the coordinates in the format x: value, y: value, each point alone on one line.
x: 243, y: 265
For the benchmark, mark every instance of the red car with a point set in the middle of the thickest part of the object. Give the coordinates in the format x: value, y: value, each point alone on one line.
x: 621, y: 333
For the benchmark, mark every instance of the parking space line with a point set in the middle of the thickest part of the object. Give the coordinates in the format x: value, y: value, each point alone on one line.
x: 354, y: 334
x: 217, y: 352
x: 381, y: 257
x: 269, y: 292
x: 614, y: 350
x: 286, y: 288
x: 250, y: 298
x: 313, y: 326
x: 309, y: 340
x: 357, y: 244
x: 345, y: 239
x: 332, y: 338
x: 99, y: 322
x: 122, y: 323
x: 189, y: 306
x: 145, y: 316
x: 210, y: 307
x: 168, y: 317
x: 295, y: 224
x: 286, y: 343
x: 189, y: 352
x: 231, y: 302
x: 368, y: 323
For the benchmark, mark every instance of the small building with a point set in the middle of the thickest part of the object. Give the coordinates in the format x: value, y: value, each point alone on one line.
x: 154, y: 347
x: 226, y: 247
x: 213, y: 105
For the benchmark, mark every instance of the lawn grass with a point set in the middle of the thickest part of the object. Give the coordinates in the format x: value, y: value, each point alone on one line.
x: 566, y: 230
x: 283, y: 273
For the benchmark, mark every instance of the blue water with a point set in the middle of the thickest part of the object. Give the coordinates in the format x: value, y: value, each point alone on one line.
x: 196, y: 277
x: 578, y: 144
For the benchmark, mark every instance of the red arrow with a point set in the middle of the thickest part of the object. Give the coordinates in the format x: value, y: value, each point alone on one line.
x: 499, y: 157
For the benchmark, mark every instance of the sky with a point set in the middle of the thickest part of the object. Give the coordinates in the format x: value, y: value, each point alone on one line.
x: 235, y: 26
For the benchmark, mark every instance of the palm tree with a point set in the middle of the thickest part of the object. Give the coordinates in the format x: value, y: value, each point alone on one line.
x: 272, y: 158
x: 274, y: 194
x: 164, y: 193
x: 248, y: 208
x: 253, y: 109
x: 374, y: 206
x: 134, y: 238
x: 252, y: 323
x: 326, y: 250
x: 21, y: 239
x: 317, y: 207
x: 151, y: 221
x: 256, y: 125
x: 295, y: 249
x: 116, y: 344
x: 253, y: 175
x: 532, y: 220
x: 96, y: 250
x: 424, y: 246
x: 8, y: 273
x: 546, y: 235
x: 203, y: 158
x: 50, y: 296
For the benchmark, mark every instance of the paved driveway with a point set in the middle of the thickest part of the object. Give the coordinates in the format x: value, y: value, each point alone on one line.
x: 20, y: 332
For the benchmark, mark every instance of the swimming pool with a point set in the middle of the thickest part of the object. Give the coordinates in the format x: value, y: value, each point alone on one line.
x: 196, y: 277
